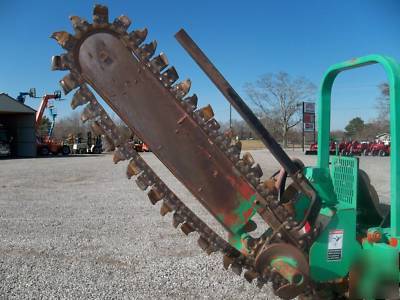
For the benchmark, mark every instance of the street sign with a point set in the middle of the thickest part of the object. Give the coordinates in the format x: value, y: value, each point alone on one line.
x: 309, y: 107
x: 308, y: 116
x: 309, y: 127
x: 308, y: 120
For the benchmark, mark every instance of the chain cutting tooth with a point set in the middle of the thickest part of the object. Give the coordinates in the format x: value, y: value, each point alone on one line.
x: 118, y: 156
x: 191, y: 102
x: 159, y: 63
x: 133, y: 169
x: 64, y: 39
x: 96, y: 128
x: 227, y: 261
x: 205, y: 245
x: 100, y: 14
x: 109, y: 142
x: 187, y: 228
x: 147, y: 50
x: 250, y: 275
x: 177, y: 219
x: 169, y: 76
x: 213, y: 124
x: 89, y: 112
x: 254, y: 180
x: 223, y: 142
x: 269, y: 185
x: 60, y: 62
x: 236, y: 268
x: 250, y: 226
x: 248, y: 159
x: 138, y: 36
x: 206, y: 113
x: 235, y: 149
x: 260, y: 283
x: 143, y: 181
x: 165, y: 208
x: 79, y: 24
x: 155, y: 195
x: 80, y: 97
x: 230, y: 133
x: 70, y: 82
x: 238, y: 144
x: 257, y: 171
x: 122, y: 23
x: 106, y: 122
x: 181, y: 89
x: 56, y: 63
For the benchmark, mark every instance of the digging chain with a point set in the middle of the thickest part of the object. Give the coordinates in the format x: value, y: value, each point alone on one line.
x: 146, y: 178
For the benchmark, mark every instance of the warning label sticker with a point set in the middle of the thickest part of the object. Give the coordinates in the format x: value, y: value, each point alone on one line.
x: 335, y: 245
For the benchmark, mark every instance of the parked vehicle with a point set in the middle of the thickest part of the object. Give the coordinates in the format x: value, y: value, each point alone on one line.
x: 5, y: 142
x: 79, y: 147
x: 97, y: 146
x: 140, y: 146
x: 380, y: 149
x: 353, y: 148
x: 85, y: 146
x: 314, y: 148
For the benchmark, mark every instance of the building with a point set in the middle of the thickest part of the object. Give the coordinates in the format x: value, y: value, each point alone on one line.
x: 18, y: 120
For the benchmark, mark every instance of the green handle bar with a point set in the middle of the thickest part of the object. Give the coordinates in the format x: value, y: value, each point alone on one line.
x: 392, y: 68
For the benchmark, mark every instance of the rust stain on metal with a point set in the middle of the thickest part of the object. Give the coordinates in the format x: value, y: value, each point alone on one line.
x: 143, y: 108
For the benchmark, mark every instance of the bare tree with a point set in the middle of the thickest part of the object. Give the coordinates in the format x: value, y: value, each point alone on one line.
x: 71, y: 126
x: 338, y: 135
x: 372, y: 129
x: 382, y: 105
x: 279, y: 97
x: 381, y: 123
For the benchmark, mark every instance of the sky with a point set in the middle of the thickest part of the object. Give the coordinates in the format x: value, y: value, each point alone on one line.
x: 244, y: 39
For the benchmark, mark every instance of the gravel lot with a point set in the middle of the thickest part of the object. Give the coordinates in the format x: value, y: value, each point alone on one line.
x: 75, y: 227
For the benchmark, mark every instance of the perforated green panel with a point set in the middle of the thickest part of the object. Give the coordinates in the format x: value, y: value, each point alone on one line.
x: 344, y: 171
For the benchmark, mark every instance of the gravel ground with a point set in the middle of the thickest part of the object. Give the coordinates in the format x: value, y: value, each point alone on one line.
x: 75, y: 227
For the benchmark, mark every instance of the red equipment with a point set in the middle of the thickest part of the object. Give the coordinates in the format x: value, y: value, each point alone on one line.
x: 380, y: 149
x: 342, y: 147
x: 353, y: 148
x: 350, y: 148
x: 314, y: 148
x: 47, y: 144
x: 140, y: 146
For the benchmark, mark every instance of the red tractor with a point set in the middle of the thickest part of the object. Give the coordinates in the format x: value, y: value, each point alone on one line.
x: 344, y: 147
x: 356, y: 148
x: 314, y: 148
x: 380, y: 149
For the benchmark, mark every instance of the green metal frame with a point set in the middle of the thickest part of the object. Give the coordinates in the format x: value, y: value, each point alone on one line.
x: 344, y: 173
x: 392, y: 68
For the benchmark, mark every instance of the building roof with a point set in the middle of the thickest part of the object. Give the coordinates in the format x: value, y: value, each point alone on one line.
x: 10, y: 105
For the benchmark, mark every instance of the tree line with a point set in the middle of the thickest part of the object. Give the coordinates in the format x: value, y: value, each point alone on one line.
x: 358, y: 129
x: 276, y: 99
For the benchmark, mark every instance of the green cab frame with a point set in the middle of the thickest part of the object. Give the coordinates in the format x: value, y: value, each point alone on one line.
x: 392, y: 69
